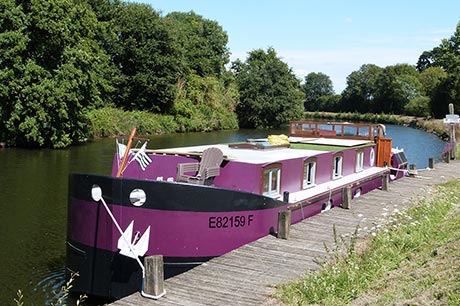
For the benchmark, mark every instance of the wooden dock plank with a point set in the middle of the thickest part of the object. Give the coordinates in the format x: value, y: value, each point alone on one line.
x: 248, y: 275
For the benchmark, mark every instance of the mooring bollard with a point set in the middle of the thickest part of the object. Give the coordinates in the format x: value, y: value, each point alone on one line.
x: 412, y: 170
x: 385, y: 181
x: 284, y: 224
x: 153, y: 286
x: 286, y: 196
x: 431, y: 163
x: 346, y: 197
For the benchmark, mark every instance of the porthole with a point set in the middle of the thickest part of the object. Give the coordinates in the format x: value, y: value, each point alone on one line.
x: 96, y: 193
x: 137, y: 197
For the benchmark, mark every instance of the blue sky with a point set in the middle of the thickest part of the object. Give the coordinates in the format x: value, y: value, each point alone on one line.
x: 329, y: 36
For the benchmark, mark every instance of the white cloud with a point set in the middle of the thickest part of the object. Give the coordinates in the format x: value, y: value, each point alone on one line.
x: 348, y: 20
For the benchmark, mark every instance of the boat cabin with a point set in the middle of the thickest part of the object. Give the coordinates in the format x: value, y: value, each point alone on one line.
x: 259, y: 167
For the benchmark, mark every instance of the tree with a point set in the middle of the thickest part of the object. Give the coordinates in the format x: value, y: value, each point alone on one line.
x: 203, y: 43
x: 270, y: 94
x: 447, y: 57
x: 395, y: 87
x: 54, y: 72
x: 205, y: 104
x: 359, y: 94
x: 431, y: 78
x: 419, y: 107
x: 316, y: 85
x: 13, y: 46
x: 147, y: 58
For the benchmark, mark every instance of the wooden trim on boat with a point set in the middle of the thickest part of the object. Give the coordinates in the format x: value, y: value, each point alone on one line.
x: 312, y: 129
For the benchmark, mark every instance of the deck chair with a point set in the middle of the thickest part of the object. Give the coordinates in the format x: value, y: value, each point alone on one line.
x: 204, y: 172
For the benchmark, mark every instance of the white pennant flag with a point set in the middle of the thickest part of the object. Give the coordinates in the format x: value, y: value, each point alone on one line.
x: 142, y: 158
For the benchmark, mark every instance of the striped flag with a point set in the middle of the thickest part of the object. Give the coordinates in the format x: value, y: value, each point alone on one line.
x: 142, y: 158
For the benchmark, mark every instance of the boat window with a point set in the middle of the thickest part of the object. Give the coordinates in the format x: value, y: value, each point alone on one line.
x: 309, y: 173
x: 271, y: 184
x: 338, y: 166
x: 359, y: 161
x: 372, y: 158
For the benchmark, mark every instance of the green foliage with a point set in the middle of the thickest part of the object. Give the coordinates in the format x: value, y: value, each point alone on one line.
x: 431, y: 78
x: 359, y: 94
x: 204, y: 104
x: 330, y: 103
x: 356, y: 117
x: 419, y: 107
x: 270, y: 94
x: 109, y: 121
x: 446, y: 57
x: 203, y: 43
x: 316, y: 86
x: 395, y: 87
x: 53, y: 72
x: 146, y: 58
x: 376, y: 89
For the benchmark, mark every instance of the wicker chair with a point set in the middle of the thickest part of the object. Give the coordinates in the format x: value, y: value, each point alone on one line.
x: 204, y: 172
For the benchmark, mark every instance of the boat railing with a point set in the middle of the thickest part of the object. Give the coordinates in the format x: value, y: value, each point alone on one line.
x: 311, y: 129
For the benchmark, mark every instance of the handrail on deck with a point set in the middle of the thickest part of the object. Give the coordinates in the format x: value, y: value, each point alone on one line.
x: 311, y: 129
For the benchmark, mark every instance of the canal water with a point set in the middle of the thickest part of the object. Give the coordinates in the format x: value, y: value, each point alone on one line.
x: 33, y: 188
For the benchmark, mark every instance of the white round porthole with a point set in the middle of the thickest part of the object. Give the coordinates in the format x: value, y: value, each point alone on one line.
x: 137, y: 197
x: 96, y: 193
x: 372, y: 157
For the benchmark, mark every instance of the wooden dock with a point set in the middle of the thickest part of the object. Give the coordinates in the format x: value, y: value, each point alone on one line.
x: 249, y: 275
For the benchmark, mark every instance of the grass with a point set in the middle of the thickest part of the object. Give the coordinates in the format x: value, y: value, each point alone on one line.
x: 413, y: 259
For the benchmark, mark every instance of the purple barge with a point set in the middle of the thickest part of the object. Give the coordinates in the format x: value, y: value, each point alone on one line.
x: 191, y: 204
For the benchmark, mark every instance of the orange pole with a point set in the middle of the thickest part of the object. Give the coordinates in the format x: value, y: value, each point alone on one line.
x: 125, y: 156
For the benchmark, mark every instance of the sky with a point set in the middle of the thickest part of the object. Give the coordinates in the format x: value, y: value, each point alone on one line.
x: 334, y: 37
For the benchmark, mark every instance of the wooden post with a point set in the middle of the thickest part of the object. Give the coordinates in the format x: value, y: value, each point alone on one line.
x: 412, y: 170
x: 124, y: 161
x: 431, y: 163
x: 453, y: 144
x: 346, y: 197
x: 284, y: 224
x: 286, y: 196
x: 385, y: 181
x: 153, y: 286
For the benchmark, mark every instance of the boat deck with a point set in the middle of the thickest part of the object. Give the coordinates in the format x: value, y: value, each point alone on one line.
x: 301, y: 147
x: 249, y: 275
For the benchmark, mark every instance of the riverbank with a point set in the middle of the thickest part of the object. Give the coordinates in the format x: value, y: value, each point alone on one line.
x: 412, y: 258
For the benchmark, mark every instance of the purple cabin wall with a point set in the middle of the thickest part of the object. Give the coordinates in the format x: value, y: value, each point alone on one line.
x: 240, y: 176
x: 247, y: 177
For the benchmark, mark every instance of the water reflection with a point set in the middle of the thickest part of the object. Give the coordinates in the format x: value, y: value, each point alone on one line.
x: 33, y: 185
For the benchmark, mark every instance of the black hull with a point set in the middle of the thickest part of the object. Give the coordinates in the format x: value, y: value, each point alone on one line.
x: 111, y: 275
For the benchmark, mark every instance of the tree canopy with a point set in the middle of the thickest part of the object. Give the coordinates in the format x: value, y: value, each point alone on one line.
x: 50, y: 71
x: 270, y: 94
x: 445, y: 57
x: 316, y: 85
x: 59, y: 59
